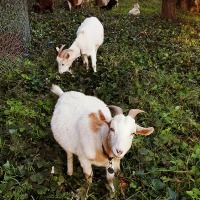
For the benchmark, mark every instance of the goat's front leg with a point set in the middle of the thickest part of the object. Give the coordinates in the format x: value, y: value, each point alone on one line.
x: 117, y: 165
x: 94, y: 60
x: 87, y: 169
x: 110, y: 178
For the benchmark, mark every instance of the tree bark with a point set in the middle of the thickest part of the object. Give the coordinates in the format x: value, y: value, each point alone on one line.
x: 169, y: 9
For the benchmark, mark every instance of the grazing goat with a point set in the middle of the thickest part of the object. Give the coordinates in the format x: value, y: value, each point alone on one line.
x: 90, y: 36
x: 135, y: 10
x: 42, y: 5
x: 83, y: 126
x: 75, y: 3
x: 110, y: 5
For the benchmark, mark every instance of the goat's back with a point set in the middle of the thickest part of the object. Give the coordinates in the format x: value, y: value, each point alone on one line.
x: 92, y: 30
x: 70, y: 121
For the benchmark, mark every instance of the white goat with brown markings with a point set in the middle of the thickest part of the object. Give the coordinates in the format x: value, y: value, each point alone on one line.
x: 83, y: 126
x: 90, y: 36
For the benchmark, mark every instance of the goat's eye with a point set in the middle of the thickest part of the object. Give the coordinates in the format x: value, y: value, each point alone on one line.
x: 111, y: 129
x: 132, y: 134
x: 62, y: 64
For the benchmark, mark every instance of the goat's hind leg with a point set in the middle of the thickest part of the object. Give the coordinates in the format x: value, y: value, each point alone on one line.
x: 69, y: 163
x: 94, y: 60
x: 85, y: 61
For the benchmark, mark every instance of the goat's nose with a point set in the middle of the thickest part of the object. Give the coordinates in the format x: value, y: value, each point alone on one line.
x: 119, y: 152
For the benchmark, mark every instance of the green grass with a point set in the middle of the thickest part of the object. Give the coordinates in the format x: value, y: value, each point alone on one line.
x: 144, y: 62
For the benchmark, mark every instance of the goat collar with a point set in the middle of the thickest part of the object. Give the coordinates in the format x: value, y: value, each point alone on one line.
x: 106, y: 154
x: 110, y: 168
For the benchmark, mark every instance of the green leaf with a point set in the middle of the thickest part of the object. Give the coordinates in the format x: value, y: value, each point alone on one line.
x: 40, y: 163
x: 196, y: 191
x: 172, y: 195
x: 140, y: 172
x: 157, y: 184
x: 39, y: 178
x: 143, y: 151
x: 12, y: 131
x: 7, y: 165
x: 41, y: 189
x: 61, y: 179
x: 133, y: 184
x: 190, y: 193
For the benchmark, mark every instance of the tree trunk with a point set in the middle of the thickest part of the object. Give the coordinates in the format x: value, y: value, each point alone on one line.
x: 169, y: 9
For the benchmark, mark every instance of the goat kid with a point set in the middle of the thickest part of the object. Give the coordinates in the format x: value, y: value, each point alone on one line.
x: 90, y: 36
x: 135, y: 10
x: 83, y: 126
x: 75, y: 3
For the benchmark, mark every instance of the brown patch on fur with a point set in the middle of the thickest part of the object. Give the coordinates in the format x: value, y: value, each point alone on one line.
x: 95, y: 122
x: 100, y: 157
x: 64, y: 54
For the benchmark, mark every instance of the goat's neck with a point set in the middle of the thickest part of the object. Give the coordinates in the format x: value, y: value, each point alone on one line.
x: 76, y: 49
x: 105, y: 143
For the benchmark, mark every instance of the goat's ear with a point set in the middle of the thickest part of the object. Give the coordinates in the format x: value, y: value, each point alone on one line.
x: 103, y: 118
x: 101, y: 115
x: 67, y: 55
x: 57, y: 49
x: 144, y: 131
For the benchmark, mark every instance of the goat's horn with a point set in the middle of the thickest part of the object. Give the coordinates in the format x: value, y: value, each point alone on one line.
x: 134, y: 112
x: 116, y: 109
x: 61, y: 48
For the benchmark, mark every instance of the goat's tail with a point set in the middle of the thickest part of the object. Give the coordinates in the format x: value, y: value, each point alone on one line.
x: 57, y: 90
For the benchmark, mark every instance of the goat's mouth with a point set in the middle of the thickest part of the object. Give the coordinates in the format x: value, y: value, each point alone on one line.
x: 117, y: 157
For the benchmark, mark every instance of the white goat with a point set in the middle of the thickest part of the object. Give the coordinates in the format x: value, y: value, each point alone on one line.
x: 135, y: 10
x: 83, y: 126
x: 90, y: 36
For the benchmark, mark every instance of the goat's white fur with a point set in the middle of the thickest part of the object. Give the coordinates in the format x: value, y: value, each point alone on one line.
x: 81, y: 124
x: 90, y: 36
x: 135, y: 10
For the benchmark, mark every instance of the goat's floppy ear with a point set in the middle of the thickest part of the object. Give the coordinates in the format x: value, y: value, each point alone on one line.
x: 67, y: 55
x: 144, y: 131
x: 101, y: 115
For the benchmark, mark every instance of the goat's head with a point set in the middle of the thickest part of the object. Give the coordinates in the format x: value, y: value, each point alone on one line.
x: 136, y: 5
x: 123, y: 129
x: 65, y: 59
